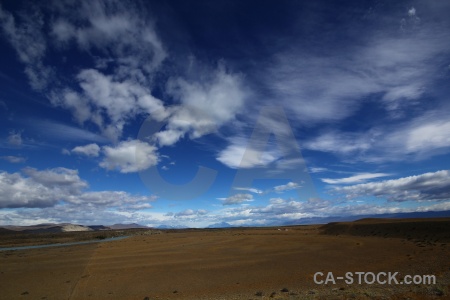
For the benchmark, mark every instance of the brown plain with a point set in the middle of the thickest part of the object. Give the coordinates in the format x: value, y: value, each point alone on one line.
x: 237, y: 263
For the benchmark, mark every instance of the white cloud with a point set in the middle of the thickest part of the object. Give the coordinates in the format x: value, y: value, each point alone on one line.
x: 112, y: 199
x: 286, y: 187
x: 236, y: 199
x: 429, y: 186
x: 317, y: 87
x: 25, y: 35
x: 88, y: 150
x: 130, y: 55
x: 188, y: 213
x: 129, y: 48
x: 289, y: 164
x: 251, y: 190
x: 14, y: 159
x: 39, y: 188
x: 169, y: 136
x: 340, y: 142
x: 317, y: 170
x: 63, y: 195
x: 423, y: 137
x: 120, y: 100
x: 292, y: 209
x: 355, y: 178
x: 123, y: 31
x: 129, y: 156
x: 205, y: 105
x: 240, y: 155
x: 417, y: 138
x: 57, y: 178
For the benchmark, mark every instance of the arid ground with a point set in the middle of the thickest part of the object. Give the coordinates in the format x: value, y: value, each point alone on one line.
x: 237, y: 263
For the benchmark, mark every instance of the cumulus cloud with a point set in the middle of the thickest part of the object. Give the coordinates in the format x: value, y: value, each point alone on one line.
x: 39, y: 188
x: 57, y: 178
x: 236, y: 199
x: 355, y: 178
x: 129, y: 156
x: 117, y: 86
x: 117, y: 199
x: 433, y: 186
x: 14, y: 159
x: 129, y: 49
x: 88, y: 150
x: 62, y: 189
x: 205, y: 105
x: 119, y: 99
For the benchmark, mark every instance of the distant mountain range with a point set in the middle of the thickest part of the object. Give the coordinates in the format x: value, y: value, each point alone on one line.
x: 49, y: 228
x: 67, y: 227
x: 126, y: 226
x: 220, y: 225
x: 326, y: 220
x: 172, y: 227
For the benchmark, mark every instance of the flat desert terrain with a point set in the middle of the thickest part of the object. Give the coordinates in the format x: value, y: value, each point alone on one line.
x: 234, y: 263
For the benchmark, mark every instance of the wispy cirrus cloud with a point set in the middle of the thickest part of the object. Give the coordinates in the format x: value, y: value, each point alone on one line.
x: 14, y: 159
x: 319, y: 88
x: 417, y: 138
x: 236, y: 199
x: 433, y: 186
x: 355, y: 178
x: 62, y: 132
x: 251, y: 190
x: 24, y: 32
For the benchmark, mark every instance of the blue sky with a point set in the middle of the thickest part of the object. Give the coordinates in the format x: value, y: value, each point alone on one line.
x: 200, y: 112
